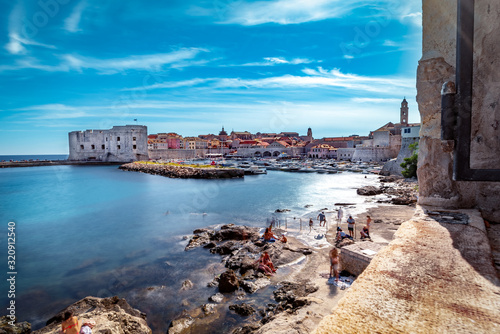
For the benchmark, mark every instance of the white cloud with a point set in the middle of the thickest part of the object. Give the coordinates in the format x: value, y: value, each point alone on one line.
x: 300, y: 11
x: 152, y: 62
x: 173, y: 84
x: 374, y: 100
x: 17, y: 42
x: 72, y: 22
x: 287, y: 11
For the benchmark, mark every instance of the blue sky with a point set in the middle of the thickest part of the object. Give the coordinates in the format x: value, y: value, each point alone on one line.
x: 191, y: 67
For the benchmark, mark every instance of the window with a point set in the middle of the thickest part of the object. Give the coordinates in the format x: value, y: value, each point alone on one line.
x: 118, y: 146
x: 133, y: 138
x: 134, y: 147
x: 81, y: 147
x: 106, y: 138
x: 117, y: 138
x: 92, y: 146
x: 102, y: 147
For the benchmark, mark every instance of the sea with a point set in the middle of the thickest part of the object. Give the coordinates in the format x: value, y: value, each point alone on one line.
x: 100, y: 231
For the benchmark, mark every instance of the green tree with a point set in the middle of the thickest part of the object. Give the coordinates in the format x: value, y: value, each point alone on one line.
x: 410, y: 164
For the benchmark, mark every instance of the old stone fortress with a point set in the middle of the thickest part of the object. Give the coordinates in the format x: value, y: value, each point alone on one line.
x: 132, y: 142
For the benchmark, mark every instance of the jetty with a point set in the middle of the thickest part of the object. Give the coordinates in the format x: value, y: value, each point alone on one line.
x: 184, y: 172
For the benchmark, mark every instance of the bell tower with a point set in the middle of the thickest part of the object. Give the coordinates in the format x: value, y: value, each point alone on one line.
x: 403, y: 117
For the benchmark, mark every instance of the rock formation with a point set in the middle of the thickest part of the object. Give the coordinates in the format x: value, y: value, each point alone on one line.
x: 112, y: 315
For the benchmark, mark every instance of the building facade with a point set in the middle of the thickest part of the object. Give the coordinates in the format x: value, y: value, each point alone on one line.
x: 119, y: 144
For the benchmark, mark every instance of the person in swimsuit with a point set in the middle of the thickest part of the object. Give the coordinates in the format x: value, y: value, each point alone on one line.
x: 368, y: 222
x: 268, y: 262
x: 262, y: 266
x: 310, y: 224
x: 70, y: 324
x: 341, y: 235
x: 334, y: 264
x: 269, y: 236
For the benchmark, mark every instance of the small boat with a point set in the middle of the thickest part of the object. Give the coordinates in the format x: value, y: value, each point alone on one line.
x: 254, y: 170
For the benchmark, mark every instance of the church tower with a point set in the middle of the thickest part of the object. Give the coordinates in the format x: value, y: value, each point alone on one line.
x: 404, y: 113
x: 309, y: 134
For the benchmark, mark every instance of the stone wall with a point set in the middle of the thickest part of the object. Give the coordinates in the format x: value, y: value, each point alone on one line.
x: 356, y: 257
x: 119, y: 144
x: 393, y: 167
x: 437, y: 66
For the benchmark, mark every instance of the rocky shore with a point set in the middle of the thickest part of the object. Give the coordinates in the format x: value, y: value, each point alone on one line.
x: 112, y: 315
x: 397, y: 190
x: 240, y: 248
x: 183, y: 172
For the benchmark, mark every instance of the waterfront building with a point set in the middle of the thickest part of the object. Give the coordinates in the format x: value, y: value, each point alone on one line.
x: 323, y: 151
x: 118, y: 144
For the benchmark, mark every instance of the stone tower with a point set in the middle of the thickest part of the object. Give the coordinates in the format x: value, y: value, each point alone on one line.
x: 309, y: 134
x: 404, y: 112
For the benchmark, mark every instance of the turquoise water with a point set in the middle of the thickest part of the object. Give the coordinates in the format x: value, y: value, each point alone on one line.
x: 97, y: 230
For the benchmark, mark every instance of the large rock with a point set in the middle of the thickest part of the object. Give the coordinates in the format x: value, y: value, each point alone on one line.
x: 17, y: 328
x: 242, y: 309
x: 236, y: 232
x: 369, y: 191
x: 112, y: 315
x: 228, y: 282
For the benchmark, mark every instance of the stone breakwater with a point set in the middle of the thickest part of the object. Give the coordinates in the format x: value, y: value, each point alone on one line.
x: 183, y: 172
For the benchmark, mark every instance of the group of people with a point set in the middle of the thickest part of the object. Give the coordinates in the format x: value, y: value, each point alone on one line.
x: 364, y: 233
x: 71, y: 324
x: 265, y: 264
x: 269, y: 236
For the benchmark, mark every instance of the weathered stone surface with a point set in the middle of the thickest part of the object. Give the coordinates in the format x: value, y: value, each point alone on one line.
x: 369, y: 191
x: 242, y: 309
x: 435, y: 167
x: 228, y: 282
x: 217, y: 298
x: 180, y: 325
x: 112, y: 315
x: 187, y: 285
x: 253, y: 286
x: 17, y: 328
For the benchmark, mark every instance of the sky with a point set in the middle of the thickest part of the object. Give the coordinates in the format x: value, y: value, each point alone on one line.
x: 340, y: 67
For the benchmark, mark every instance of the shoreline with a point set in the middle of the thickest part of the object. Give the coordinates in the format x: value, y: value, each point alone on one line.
x: 315, y: 261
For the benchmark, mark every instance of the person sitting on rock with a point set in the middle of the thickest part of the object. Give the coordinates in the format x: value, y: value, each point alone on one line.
x: 283, y: 239
x: 70, y: 324
x: 268, y: 262
x: 262, y: 266
x: 365, y: 234
x: 269, y: 236
x: 341, y: 235
x: 87, y: 326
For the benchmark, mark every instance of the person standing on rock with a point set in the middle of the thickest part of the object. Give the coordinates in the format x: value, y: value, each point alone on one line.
x: 310, y: 224
x: 322, y: 218
x: 340, y: 214
x: 350, y: 226
x: 368, y: 222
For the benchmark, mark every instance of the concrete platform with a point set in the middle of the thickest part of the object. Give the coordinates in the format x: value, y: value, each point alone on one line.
x: 356, y: 257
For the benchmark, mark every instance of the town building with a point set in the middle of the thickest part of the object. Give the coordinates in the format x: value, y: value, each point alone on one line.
x: 119, y: 144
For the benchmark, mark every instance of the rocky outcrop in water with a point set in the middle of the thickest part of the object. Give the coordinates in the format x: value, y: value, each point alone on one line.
x: 112, y: 315
x: 16, y: 328
x: 183, y: 172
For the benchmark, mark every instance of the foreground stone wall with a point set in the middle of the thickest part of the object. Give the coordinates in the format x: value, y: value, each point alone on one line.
x: 437, y: 66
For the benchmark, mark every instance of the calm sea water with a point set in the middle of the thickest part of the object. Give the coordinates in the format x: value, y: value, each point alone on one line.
x: 100, y: 231
x: 33, y: 157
